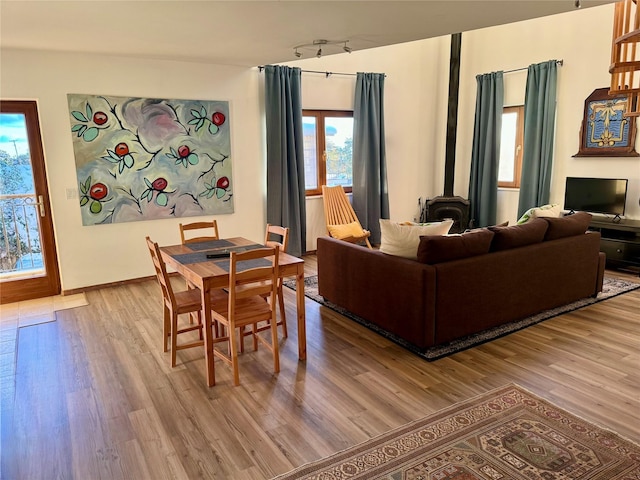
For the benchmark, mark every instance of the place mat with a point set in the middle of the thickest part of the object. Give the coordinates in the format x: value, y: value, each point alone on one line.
x: 201, y: 256
x: 244, y: 265
x: 209, y: 245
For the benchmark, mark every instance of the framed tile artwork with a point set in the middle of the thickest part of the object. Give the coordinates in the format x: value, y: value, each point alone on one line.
x: 607, y: 130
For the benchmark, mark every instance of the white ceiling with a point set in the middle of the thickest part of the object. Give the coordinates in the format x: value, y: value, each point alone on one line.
x: 249, y: 33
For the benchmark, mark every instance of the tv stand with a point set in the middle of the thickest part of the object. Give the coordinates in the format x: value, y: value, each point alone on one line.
x: 620, y: 241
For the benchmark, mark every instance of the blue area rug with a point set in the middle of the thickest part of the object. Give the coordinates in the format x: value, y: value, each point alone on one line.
x: 611, y: 288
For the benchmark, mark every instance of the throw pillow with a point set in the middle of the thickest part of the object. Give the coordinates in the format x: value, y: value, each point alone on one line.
x: 518, y: 235
x: 567, y: 226
x: 546, y: 211
x: 402, y: 240
x: 438, y: 249
x: 347, y: 230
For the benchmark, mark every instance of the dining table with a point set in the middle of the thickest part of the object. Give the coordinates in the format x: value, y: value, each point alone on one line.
x: 206, y: 265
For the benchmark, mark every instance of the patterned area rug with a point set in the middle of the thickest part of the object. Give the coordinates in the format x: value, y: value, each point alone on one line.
x: 611, y: 288
x: 507, y: 433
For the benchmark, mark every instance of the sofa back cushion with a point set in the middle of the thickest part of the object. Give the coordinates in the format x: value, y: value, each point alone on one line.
x: 438, y: 249
x: 567, y: 226
x: 516, y: 236
x: 402, y: 239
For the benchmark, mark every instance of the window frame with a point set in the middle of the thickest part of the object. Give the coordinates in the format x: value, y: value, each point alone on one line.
x: 321, y: 150
x: 519, y: 147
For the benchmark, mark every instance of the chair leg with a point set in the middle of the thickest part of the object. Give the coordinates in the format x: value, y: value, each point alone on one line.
x: 174, y: 337
x: 283, y: 318
x: 200, y: 333
x: 166, y: 329
x: 254, y: 329
x: 241, y: 339
x: 233, y: 353
x: 274, y: 345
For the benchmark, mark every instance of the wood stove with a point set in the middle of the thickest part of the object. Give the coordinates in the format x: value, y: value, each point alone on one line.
x: 455, y: 208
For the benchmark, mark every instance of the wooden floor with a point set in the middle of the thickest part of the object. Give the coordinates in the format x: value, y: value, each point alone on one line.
x: 94, y: 396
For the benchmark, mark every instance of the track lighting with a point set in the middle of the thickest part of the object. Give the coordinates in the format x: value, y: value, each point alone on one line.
x: 320, y: 44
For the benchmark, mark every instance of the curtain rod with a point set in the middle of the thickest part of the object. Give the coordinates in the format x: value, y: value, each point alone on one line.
x: 558, y: 62
x: 326, y: 74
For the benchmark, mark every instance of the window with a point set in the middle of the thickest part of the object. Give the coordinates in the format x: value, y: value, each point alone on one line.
x: 328, y: 149
x: 511, y: 140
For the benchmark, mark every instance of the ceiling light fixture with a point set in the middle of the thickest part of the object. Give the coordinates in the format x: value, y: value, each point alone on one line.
x: 320, y: 44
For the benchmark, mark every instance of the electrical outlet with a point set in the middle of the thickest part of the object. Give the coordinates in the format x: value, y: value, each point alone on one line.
x: 72, y: 193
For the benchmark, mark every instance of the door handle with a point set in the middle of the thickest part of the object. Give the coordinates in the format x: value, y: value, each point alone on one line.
x: 40, y: 203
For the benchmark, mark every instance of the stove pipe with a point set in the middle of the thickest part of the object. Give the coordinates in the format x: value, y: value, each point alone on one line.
x: 452, y: 114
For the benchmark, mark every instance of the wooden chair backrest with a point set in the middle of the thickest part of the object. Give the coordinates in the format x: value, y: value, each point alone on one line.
x: 255, y: 281
x: 161, y: 273
x: 211, y: 225
x: 282, y: 232
x: 337, y: 207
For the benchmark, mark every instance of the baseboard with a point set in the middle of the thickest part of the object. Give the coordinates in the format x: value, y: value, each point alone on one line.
x: 74, y: 291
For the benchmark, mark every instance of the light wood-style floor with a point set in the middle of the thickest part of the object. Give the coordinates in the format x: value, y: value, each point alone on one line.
x: 94, y: 397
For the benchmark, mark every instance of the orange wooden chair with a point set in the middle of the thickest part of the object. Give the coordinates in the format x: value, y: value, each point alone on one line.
x: 342, y: 222
x: 212, y: 226
x: 175, y: 304
x: 246, y: 305
x: 282, y: 244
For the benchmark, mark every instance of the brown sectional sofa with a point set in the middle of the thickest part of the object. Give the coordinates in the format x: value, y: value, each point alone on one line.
x: 428, y: 304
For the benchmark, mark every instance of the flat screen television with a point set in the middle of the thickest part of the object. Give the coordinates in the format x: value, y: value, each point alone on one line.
x: 596, y: 195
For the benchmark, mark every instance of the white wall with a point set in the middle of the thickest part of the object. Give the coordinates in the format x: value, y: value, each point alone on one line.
x: 415, y: 136
x: 416, y: 90
x: 93, y: 255
x: 582, y: 39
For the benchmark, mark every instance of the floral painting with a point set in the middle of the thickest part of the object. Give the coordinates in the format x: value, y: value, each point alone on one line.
x: 145, y: 159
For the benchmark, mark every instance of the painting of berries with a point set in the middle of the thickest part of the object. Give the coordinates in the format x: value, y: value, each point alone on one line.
x: 147, y: 158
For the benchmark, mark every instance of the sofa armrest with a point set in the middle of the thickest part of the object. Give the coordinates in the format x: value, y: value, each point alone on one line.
x: 393, y: 293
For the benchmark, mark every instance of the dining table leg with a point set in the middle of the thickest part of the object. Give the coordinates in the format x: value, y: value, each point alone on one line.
x: 302, y: 328
x: 208, y: 337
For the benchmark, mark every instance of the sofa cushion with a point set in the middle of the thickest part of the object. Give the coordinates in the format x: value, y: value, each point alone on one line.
x: 515, y: 236
x: 402, y: 240
x: 567, y: 226
x: 347, y: 230
x: 545, y: 211
x: 438, y: 249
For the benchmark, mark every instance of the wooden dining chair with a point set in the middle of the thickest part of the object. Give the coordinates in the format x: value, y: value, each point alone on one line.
x: 210, y: 234
x: 277, y: 236
x: 341, y: 220
x: 175, y: 304
x: 252, y: 276
x: 212, y: 230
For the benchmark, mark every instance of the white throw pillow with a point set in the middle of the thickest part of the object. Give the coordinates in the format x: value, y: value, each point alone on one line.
x: 402, y: 239
x: 548, y: 211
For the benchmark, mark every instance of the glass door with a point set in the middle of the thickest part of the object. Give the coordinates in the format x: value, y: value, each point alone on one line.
x: 28, y: 263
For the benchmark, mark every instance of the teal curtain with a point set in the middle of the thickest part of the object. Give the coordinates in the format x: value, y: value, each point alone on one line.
x: 539, y: 131
x: 485, y: 153
x: 285, y: 154
x: 370, y: 194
